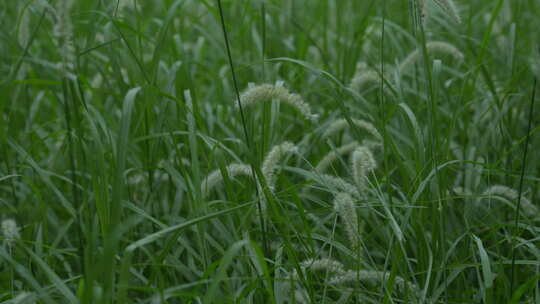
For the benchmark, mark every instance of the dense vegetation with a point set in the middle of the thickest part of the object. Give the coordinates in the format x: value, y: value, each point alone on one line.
x: 265, y: 151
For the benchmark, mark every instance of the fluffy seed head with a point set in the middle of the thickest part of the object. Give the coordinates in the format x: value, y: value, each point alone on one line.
x: 461, y: 191
x: 270, y: 168
x: 330, y: 266
x: 342, y: 124
x: 272, y: 159
x: 344, y: 205
x: 373, y: 277
x: 362, y: 162
x: 63, y: 33
x: 215, y: 177
x: 10, y: 230
x: 333, y: 155
x: 422, y: 9
x: 336, y: 184
x: 372, y: 35
x: 440, y: 47
x: 364, y: 76
x: 324, y: 264
x: 450, y: 8
x: 268, y: 92
x: 528, y: 208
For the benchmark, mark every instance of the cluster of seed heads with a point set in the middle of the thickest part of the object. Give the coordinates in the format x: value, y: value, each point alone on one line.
x: 338, y: 275
x: 364, y: 75
x: 269, y: 169
x: 501, y: 192
x: 373, y: 277
x: 362, y: 163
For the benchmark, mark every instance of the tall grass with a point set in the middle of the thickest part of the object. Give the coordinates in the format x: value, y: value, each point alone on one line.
x: 268, y: 151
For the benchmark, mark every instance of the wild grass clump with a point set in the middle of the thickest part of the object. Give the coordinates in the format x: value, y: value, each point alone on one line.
x: 387, y: 164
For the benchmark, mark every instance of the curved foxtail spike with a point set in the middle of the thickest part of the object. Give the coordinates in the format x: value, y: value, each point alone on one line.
x: 215, y: 178
x: 528, y: 208
x: 336, y: 184
x: 374, y: 277
x: 450, y: 8
x: 11, y: 231
x: 342, y: 124
x: 325, y: 264
x: 270, y: 168
x: 362, y: 162
x: 364, y: 76
x: 432, y: 47
x: 344, y: 205
x: 268, y: 92
x: 272, y: 159
x: 422, y: 9
x: 330, y: 266
x: 333, y: 155
x: 461, y: 191
x: 63, y: 34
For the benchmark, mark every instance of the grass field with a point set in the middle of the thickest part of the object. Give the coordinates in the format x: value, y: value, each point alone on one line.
x: 265, y: 151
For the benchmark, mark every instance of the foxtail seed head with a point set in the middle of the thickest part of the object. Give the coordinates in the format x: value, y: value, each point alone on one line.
x: 215, y: 178
x: 364, y: 76
x: 432, y: 47
x: 373, y: 277
x: 336, y: 184
x: 342, y: 124
x: 63, y: 33
x: 344, y: 205
x: 333, y: 155
x: 528, y: 208
x: 324, y: 264
x: 331, y: 267
x: 450, y: 8
x: 10, y: 230
x: 270, y: 168
x: 268, y: 92
x: 270, y: 163
x: 362, y: 162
